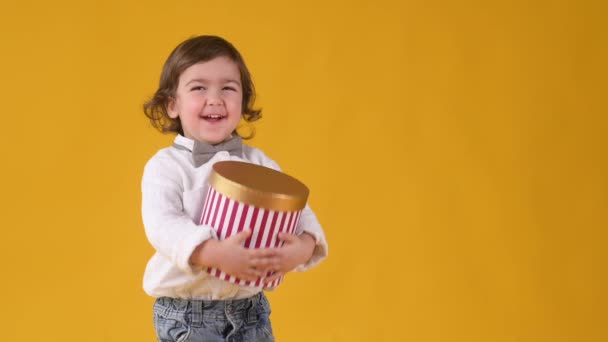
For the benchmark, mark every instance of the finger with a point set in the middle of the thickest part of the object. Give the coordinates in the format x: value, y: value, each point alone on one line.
x: 250, y: 274
x: 273, y: 277
x: 262, y: 253
x: 241, y: 237
x: 255, y: 273
x: 257, y: 254
x: 268, y: 268
x: 263, y: 262
x: 248, y: 277
x: 244, y: 275
x: 287, y: 238
x: 266, y: 265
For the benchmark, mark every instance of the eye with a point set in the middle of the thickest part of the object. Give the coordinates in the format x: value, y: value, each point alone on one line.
x: 197, y: 88
x: 229, y: 88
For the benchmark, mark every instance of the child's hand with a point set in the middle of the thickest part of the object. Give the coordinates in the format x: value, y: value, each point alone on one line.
x: 295, y: 251
x: 230, y: 256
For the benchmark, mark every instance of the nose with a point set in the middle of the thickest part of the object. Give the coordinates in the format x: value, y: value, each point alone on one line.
x: 214, y: 99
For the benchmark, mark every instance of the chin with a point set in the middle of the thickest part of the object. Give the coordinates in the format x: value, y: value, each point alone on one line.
x: 214, y: 140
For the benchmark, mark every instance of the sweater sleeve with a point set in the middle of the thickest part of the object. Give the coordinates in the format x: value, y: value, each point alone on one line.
x: 308, y: 224
x: 169, y: 229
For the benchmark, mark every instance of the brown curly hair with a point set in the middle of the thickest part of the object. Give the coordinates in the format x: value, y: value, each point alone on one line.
x: 189, y: 52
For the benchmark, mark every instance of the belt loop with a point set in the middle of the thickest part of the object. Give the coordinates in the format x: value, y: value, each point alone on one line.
x: 252, y: 313
x: 197, y: 312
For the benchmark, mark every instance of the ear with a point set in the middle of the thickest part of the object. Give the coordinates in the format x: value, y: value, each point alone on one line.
x: 172, y: 109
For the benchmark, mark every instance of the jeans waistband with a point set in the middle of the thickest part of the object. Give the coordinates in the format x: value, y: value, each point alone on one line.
x: 196, y: 311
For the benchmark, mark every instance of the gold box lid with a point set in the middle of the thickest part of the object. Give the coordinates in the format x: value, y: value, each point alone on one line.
x: 259, y: 186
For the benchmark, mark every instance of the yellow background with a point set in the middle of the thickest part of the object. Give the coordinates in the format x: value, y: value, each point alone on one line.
x: 456, y: 152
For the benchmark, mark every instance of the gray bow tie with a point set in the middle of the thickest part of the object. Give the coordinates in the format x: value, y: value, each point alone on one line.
x: 202, y: 152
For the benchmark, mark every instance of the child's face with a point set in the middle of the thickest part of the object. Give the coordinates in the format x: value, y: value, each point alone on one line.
x: 208, y: 100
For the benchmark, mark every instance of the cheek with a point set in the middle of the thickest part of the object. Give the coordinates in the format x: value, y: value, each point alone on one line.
x: 235, y: 119
x: 237, y: 103
x: 192, y: 106
x: 237, y: 106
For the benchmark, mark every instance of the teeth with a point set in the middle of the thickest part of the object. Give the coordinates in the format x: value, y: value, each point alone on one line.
x: 214, y: 116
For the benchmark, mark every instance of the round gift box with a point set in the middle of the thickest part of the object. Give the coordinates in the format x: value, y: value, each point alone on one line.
x: 248, y: 196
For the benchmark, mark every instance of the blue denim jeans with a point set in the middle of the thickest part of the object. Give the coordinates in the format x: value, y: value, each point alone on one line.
x: 240, y: 320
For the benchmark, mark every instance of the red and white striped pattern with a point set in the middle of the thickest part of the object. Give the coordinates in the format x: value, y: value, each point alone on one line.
x: 230, y: 217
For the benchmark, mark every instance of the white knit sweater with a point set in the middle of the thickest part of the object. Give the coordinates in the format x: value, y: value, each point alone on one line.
x: 172, y: 200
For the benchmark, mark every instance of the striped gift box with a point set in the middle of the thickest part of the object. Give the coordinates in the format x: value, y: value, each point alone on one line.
x: 247, y: 196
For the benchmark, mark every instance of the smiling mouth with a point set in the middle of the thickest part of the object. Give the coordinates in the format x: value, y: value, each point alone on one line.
x: 213, y: 117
